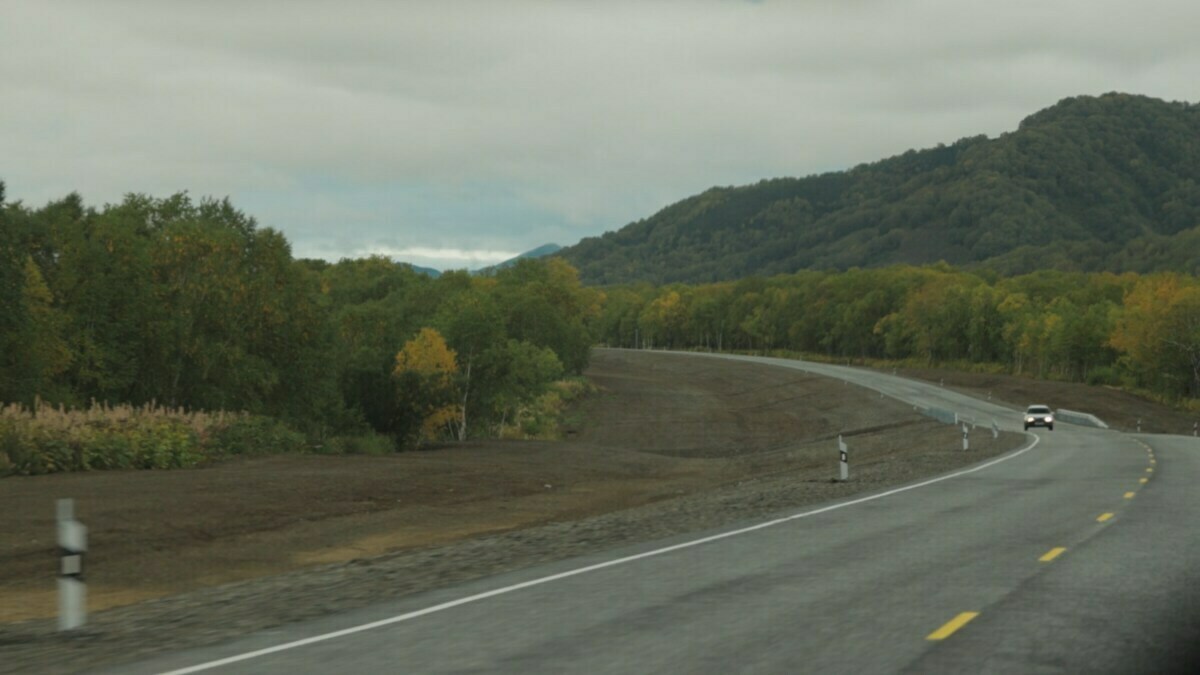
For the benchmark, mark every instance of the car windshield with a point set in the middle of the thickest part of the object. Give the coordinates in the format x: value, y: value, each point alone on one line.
x: 1038, y: 410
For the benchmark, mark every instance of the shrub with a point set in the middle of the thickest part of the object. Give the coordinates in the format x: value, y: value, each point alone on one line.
x: 45, y: 439
x: 253, y: 435
x: 1103, y: 375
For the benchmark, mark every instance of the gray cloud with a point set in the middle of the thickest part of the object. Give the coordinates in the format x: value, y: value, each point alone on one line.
x: 498, y: 126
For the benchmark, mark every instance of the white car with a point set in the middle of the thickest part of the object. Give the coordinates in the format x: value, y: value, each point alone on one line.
x: 1039, y: 416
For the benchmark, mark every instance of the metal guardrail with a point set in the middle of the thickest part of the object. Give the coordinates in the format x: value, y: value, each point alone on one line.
x: 941, y: 414
x: 1082, y: 418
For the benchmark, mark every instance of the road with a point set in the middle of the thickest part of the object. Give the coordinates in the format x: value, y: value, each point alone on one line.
x: 1077, y: 553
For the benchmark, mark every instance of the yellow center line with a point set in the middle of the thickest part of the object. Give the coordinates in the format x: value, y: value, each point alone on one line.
x: 1103, y: 517
x: 1149, y: 470
x: 1052, y: 554
x: 1143, y: 481
x: 1128, y: 495
x: 1153, y: 462
x: 952, y: 625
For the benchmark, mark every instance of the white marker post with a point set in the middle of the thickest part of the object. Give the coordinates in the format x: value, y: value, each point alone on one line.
x: 1195, y: 427
x: 995, y: 429
x: 72, y: 591
x: 966, y: 443
x: 845, y: 459
x: 1139, y: 428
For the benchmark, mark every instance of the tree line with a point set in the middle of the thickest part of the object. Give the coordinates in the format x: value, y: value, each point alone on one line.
x: 190, y: 304
x: 1139, y: 331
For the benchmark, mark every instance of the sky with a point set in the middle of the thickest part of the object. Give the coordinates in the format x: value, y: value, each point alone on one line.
x: 457, y: 134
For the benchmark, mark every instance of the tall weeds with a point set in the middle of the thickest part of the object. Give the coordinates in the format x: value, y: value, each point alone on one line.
x: 47, y: 439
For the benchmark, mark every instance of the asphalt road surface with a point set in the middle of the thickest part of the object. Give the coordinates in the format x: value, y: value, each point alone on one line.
x: 1078, y: 553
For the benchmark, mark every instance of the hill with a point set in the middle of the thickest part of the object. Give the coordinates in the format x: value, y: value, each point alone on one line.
x: 539, y: 252
x: 1089, y: 184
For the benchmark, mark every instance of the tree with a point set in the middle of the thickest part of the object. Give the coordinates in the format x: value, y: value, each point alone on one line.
x: 424, y: 371
x: 1159, y: 333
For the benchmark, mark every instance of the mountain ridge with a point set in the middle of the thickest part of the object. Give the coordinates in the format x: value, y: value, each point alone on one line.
x: 1107, y: 183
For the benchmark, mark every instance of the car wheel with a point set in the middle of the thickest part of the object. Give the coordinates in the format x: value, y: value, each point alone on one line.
x: 1051, y: 427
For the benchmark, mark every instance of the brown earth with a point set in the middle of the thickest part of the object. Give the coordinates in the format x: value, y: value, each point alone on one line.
x: 670, y: 444
x: 660, y: 427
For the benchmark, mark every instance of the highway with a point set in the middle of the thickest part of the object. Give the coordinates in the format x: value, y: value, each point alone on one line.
x: 1080, y: 552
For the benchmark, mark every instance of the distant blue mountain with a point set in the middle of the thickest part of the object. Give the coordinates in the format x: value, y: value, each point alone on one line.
x: 427, y: 271
x: 539, y: 252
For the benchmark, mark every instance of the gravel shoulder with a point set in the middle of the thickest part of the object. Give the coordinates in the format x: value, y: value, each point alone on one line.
x: 670, y: 445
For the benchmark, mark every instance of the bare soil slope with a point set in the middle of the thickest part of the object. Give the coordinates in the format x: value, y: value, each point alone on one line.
x: 662, y: 426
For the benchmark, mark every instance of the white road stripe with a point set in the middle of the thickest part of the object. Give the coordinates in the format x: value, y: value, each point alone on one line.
x: 582, y: 570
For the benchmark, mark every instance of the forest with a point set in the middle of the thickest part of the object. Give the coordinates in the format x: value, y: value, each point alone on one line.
x: 1092, y: 184
x: 151, y: 312
x: 1141, y: 332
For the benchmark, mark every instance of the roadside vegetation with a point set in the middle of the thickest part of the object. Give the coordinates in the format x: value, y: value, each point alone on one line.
x: 1139, y: 332
x: 161, y: 333
x: 46, y: 439
x: 126, y: 330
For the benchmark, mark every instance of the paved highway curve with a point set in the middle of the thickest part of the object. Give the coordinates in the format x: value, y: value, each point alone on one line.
x: 1077, y: 553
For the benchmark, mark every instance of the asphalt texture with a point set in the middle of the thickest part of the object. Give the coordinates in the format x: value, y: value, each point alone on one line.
x: 939, y: 576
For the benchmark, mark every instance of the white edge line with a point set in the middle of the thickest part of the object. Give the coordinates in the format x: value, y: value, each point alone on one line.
x: 582, y: 570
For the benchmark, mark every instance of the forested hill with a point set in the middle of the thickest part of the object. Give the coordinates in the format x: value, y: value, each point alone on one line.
x: 1089, y: 184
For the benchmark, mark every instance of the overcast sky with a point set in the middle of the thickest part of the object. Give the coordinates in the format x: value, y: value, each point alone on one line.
x: 455, y: 134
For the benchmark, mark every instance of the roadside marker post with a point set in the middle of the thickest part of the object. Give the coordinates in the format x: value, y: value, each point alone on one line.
x: 966, y: 443
x: 995, y: 429
x: 1139, y: 426
x: 1195, y: 427
x: 844, y: 456
x: 72, y: 591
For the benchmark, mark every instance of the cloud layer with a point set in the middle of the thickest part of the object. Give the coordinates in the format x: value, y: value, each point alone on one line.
x: 484, y: 126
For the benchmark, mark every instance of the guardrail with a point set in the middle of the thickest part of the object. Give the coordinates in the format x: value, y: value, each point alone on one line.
x: 1082, y: 418
x: 941, y: 414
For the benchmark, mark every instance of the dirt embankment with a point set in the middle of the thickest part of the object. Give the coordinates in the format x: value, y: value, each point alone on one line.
x: 671, y: 444
x: 1119, y: 409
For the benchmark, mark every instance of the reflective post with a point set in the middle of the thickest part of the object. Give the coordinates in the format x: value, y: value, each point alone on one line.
x: 72, y: 544
x: 844, y: 456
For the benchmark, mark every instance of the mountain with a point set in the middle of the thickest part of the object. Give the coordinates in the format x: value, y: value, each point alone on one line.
x: 1091, y: 183
x: 539, y: 252
x: 427, y: 271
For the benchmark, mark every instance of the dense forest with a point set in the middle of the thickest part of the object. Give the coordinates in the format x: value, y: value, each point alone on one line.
x: 1137, y: 331
x: 1109, y: 183
x: 190, y: 305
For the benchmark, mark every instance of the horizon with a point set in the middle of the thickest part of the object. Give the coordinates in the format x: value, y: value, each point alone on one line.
x: 456, y: 135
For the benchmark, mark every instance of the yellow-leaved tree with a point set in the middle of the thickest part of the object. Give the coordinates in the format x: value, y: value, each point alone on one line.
x: 425, y: 373
x: 1158, y: 333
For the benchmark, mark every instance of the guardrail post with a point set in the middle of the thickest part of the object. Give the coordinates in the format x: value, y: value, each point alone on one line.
x: 995, y: 430
x: 844, y: 458
x: 72, y: 544
x: 1194, y: 428
x: 1139, y: 425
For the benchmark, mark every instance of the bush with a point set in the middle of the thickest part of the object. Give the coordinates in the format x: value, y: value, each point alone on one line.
x: 1106, y: 375
x: 252, y: 435
x: 49, y: 440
